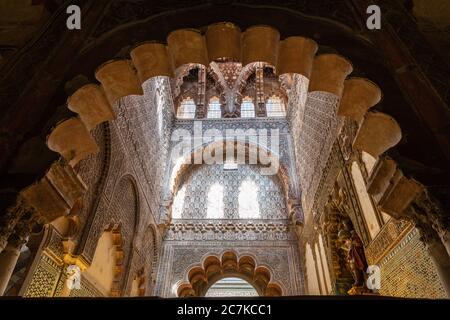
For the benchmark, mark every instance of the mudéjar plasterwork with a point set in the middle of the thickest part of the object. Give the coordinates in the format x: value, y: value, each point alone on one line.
x: 165, y: 157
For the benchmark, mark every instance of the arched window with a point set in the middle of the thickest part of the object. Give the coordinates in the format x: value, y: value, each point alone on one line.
x: 186, y: 110
x: 247, y: 108
x: 178, y: 202
x: 215, y: 202
x: 275, y: 107
x: 248, y: 200
x: 214, y: 110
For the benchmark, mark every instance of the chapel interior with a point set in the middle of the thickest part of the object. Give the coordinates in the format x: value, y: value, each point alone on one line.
x: 119, y: 176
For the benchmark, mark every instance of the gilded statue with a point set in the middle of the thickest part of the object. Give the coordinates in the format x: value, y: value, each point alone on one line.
x: 355, y: 259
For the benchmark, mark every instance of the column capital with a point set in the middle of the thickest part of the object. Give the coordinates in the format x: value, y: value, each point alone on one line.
x: 20, y: 234
x: 9, y: 221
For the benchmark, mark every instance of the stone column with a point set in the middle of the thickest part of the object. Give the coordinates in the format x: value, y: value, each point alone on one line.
x: 10, y: 255
x: 316, y: 267
x: 8, y: 260
x: 437, y: 253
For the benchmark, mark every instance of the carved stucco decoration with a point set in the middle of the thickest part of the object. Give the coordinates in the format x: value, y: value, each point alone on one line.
x: 214, y: 268
x: 317, y: 122
x: 284, y: 153
x: 278, y: 256
x: 229, y: 81
x: 271, y: 200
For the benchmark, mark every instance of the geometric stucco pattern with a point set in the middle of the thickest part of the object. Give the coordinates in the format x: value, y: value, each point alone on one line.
x: 93, y: 171
x: 149, y: 116
x: 129, y: 179
x: 123, y: 185
x: 243, y: 131
x: 200, y: 179
x: 280, y: 257
x: 321, y: 125
x: 45, y: 278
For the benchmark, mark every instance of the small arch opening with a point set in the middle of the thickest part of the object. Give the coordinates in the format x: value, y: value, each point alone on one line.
x: 231, y: 287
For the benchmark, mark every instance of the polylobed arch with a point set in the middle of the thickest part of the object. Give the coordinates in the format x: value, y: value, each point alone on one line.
x: 72, y: 140
x: 123, y: 224
x: 332, y: 33
x: 213, y: 268
x: 327, y: 72
x: 118, y: 79
x: 142, y: 272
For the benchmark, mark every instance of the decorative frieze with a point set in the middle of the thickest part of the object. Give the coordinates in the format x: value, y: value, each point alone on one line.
x: 230, y: 230
x: 388, y: 237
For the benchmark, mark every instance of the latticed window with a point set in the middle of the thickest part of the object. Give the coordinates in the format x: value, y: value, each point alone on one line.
x: 215, y: 202
x: 248, y: 200
x: 247, y: 108
x: 214, y: 110
x: 186, y: 110
x: 275, y: 107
